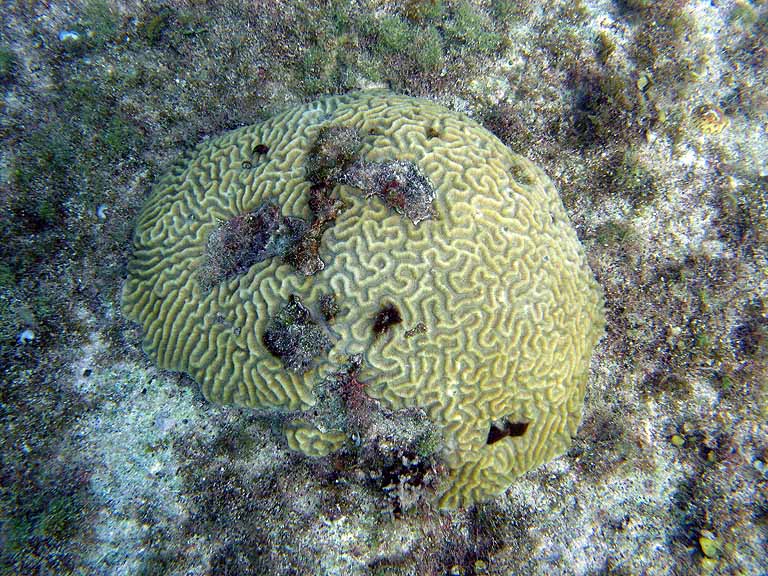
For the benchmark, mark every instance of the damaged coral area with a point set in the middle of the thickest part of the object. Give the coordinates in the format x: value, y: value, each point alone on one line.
x: 239, y: 243
x: 295, y: 337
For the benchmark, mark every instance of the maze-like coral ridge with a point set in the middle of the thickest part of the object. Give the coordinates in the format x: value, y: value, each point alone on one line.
x: 304, y: 437
x: 496, y: 275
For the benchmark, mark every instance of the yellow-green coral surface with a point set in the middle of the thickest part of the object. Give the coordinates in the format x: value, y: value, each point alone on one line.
x: 312, y: 441
x: 497, y: 276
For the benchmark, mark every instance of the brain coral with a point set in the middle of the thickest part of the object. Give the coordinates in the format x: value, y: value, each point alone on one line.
x: 449, y: 262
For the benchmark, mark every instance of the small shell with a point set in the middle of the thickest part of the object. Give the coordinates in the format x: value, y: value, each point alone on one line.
x: 26, y: 336
x: 710, y: 119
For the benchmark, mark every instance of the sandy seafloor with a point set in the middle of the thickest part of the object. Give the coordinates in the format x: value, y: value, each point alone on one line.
x: 650, y: 117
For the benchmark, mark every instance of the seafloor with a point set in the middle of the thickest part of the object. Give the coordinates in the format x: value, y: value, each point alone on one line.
x: 650, y: 116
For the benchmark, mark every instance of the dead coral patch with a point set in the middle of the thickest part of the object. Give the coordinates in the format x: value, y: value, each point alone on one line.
x: 304, y: 255
x: 333, y: 159
x: 240, y: 242
x: 334, y: 149
x: 264, y: 233
x: 398, y: 183
x: 295, y: 337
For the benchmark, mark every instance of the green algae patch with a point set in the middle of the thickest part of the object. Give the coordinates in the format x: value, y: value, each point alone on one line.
x: 457, y: 278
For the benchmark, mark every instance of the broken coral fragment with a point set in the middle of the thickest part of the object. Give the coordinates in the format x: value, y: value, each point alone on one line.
x: 405, y: 203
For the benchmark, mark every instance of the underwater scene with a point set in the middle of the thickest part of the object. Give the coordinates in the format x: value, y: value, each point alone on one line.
x: 384, y: 287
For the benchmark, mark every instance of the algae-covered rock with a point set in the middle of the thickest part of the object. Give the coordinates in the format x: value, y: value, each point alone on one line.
x: 456, y: 275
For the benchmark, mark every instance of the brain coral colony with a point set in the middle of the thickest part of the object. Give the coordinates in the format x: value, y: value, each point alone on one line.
x: 385, y: 233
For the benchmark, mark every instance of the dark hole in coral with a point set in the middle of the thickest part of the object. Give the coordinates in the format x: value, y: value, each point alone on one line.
x: 507, y: 428
x: 260, y: 149
x: 385, y: 318
x: 433, y: 132
x: 247, y: 165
